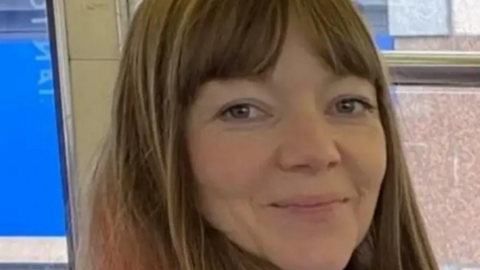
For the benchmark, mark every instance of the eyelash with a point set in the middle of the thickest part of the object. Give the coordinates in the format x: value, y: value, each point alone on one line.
x: 224, y: 113
x: 364, y: 103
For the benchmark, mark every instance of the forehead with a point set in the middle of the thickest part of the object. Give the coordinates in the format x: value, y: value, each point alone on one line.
x: 298, y: 59
x: 300, y: 67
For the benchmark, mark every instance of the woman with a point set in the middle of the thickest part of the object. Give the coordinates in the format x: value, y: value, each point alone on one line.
x: 252, y: 135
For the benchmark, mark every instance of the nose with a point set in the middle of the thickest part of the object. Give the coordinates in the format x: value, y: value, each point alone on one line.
x: 307, y: 146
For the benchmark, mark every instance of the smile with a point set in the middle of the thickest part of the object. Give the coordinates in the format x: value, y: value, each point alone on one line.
x: 317, y: 208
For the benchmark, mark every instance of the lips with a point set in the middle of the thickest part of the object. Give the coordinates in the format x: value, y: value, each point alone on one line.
x: 321, y: 209
x: 310, y: 202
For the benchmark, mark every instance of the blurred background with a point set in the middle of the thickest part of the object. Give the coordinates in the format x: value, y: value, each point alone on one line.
x: 58, y: 61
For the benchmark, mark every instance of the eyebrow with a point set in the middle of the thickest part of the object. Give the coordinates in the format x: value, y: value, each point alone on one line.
x: 362, y: 84
x: 331, y: 80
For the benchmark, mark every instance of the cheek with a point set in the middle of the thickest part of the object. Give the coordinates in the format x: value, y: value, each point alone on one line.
x: 229, y: 167
x: 365, y: 157
x: 374, y: 162
x: 229, y: 172
x: 366, y: 162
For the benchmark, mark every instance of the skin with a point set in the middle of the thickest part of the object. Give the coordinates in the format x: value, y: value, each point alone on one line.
x: 300, y: 131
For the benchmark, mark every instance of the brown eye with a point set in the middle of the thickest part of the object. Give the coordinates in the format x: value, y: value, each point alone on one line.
x: 240, y: 111
x: 243, y: 112
x: 352, y: 106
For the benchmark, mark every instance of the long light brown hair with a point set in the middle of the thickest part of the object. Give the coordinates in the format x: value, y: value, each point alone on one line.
x: 141, y: 205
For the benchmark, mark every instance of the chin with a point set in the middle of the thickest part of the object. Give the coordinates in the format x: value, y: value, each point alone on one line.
x: 320, y: 253
x: 319, y: 262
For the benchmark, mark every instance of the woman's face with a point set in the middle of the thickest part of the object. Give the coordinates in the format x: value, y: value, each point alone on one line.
x: 289, y: 167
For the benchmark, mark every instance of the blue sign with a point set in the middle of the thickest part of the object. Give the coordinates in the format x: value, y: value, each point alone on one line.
x: 385, y: 42
x: 31, y: 193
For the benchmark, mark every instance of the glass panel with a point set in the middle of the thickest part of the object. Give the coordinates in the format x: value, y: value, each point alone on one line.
x: 32, y: 220
x: 441, y: 131
x: 429, y: 25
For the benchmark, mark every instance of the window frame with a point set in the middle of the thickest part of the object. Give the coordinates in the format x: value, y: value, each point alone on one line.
x: 459, y: 69
x: 56, y: 21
